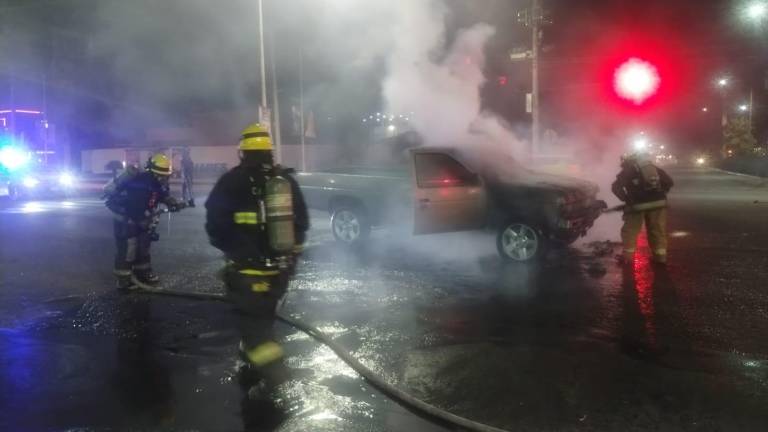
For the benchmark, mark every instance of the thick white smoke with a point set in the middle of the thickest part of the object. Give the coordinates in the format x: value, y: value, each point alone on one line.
x: 441, y: 85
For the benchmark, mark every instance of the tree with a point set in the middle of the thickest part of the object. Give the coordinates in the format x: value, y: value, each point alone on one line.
x: 738, y: 138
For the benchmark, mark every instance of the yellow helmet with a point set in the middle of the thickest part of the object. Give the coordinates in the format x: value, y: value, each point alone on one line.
x: 159, y: 164
x: 255, y: 137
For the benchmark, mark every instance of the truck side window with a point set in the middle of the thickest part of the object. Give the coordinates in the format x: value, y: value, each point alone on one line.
x: 440, y: 170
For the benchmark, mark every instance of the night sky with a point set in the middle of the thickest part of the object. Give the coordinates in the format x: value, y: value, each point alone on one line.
x: 691, y: 40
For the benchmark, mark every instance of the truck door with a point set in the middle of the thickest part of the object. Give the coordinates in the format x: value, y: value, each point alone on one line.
x: 447, y: 196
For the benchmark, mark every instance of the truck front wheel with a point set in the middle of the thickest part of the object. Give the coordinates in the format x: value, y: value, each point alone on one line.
x: 349, y: 225
x: 520, y: 242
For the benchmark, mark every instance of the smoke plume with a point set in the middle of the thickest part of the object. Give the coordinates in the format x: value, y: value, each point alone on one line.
x: 440, y: 83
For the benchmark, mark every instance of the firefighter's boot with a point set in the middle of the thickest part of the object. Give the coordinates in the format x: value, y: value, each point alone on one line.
x: 147, y: 277
x: 123, y: 280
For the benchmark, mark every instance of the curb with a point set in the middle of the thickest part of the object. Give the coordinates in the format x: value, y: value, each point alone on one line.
x: 740, y: 174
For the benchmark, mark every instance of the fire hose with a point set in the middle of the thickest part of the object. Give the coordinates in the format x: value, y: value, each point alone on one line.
x: 398, y: 395
x: 615, y: 209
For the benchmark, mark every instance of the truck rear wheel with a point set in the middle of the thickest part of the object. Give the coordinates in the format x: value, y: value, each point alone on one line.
x: 520, y: 242
x: 349, y: 225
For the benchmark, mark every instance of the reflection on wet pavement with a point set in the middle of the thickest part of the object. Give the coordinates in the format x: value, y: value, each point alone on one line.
x: 572, y: 343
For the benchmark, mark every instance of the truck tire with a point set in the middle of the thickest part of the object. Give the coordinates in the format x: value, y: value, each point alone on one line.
x: 350, y: 225
x: 519, y: 241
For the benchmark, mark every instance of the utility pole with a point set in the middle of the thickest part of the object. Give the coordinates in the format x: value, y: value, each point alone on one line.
x: 535, y: 36
x: 533, y: 18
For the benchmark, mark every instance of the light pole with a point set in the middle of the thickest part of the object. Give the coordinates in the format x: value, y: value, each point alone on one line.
x: 301, y: 110
x: 755, y: 12
x: 275, y: 126
x: 722, y: 84
x: 262, y: 62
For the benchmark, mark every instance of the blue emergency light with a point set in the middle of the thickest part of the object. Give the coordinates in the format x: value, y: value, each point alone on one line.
x: 13, y: 158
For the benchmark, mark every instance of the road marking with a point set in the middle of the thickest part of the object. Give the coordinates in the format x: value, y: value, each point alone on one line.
x: 31, y: 207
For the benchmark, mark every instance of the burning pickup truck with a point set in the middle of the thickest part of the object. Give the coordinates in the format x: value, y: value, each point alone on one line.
x: 445, y: 190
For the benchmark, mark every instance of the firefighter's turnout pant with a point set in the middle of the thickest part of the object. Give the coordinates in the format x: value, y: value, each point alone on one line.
x: 133, y: 244
x: 186, y: 188
x: 255, y: 290
x: 655, y: 227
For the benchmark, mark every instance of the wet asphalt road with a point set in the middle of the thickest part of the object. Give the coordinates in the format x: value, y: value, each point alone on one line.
x: 575, y: 343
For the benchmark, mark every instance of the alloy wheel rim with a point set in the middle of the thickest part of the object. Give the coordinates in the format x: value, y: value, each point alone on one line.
x: 346, y: 226
x: 520, y: 242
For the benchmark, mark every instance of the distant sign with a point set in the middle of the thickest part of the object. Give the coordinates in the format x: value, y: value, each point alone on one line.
x: 524, y: 55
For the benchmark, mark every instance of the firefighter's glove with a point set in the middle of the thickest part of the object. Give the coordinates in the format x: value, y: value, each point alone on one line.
x: 145, y: 224
x: 177, y: 207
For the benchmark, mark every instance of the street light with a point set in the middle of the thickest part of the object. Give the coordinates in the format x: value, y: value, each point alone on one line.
x: 743, y: 107
x: 704, y: 109
x: 757, y: 10
x: 722, y: 83
x: 640, y: 144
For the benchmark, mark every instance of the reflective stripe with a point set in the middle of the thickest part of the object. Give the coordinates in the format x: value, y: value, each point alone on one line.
x: 256, y: 135
x: 265, y: 353
x: 246, y: 218
x: 145, y: 266
x: 660, y: 252
x: 260, y: 286
x: 119, y: 272
x: 649, y: 205
x: 254, y: 272
x: 629, y: 250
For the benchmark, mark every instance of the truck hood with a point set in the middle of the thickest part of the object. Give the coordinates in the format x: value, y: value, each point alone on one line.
x: 539, y: 180
x: 543, y: 180
x: 506, y: 171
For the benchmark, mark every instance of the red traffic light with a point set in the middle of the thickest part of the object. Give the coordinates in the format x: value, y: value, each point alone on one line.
x: 636, y: 80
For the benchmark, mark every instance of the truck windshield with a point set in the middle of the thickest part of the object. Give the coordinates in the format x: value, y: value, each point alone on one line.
x: 493, y: 165
x: 441, y: 170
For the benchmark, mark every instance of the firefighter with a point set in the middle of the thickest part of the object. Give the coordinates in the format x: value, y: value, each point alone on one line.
x: 134, y: 198
x: 259, y: 228
x: 643, y: 187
